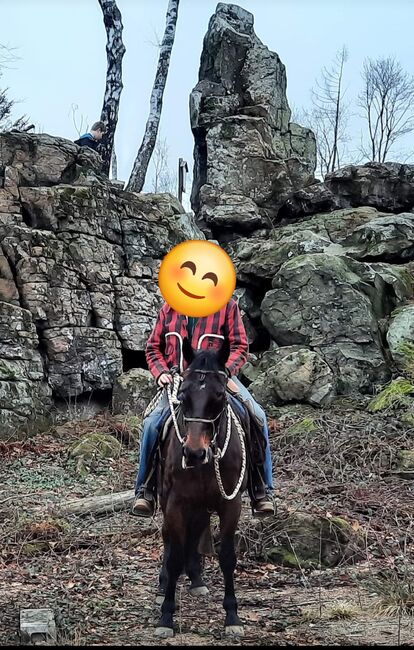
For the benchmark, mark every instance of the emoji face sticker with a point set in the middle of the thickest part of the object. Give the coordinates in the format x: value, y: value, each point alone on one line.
x: 197, y: 278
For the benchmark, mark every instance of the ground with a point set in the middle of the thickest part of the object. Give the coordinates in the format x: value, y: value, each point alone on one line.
x: 99, y: 574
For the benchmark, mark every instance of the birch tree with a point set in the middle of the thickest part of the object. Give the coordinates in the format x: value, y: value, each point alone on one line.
x: 387, y: 100
x: 114, y: 166
x: 115, y: 51
x: 139, y: 171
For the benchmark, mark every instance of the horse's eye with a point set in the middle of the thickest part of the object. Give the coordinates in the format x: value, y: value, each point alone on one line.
x: 211, y: 276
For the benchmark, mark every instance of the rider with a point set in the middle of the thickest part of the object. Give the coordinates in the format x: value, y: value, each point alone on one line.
x: 163, y: 354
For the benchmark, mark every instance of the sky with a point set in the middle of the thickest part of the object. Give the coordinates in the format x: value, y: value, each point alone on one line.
x: 62, y: 58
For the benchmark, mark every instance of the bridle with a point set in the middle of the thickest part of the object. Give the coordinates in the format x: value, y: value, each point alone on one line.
x: 219, y: 453
x: 211, y: 421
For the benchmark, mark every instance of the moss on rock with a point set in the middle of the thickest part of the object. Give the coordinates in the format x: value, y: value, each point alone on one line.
x: 393, y: 396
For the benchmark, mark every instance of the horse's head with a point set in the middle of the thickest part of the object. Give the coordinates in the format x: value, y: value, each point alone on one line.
x: 203, y: 397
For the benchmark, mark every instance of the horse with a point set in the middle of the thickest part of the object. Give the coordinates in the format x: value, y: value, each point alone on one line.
x: 202, y: 470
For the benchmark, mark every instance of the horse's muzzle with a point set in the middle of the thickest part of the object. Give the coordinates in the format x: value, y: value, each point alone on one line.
x: 196, y: 457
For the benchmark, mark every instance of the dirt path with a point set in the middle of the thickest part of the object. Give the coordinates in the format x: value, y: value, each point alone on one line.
x: 99, y: 574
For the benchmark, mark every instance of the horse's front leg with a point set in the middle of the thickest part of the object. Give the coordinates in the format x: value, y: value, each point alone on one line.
x: 163, y: 577
x: 174, y: 531
x: 199, y: 524
x: 229, y: 514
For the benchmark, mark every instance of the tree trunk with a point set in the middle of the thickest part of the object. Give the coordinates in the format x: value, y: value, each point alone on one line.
x: 115, y: 50
x: 98, y: 505
x: 137, y: 178
x: 114, y: 165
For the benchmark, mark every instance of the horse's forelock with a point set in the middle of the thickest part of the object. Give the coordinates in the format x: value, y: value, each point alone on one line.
x: 205, y: 360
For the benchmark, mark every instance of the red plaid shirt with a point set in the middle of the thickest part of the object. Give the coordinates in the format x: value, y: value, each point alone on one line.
x: 164, y: 347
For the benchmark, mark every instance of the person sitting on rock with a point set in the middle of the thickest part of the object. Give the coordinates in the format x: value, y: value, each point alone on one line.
x: 93, y: 137
x: 164, y: 355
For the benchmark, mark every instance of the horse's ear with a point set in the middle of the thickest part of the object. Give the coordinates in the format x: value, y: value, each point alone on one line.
x: 188, y: 351
x: 224, y: 352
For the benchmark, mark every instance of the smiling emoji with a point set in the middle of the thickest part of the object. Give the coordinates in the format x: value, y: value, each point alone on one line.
x: 197, y: 278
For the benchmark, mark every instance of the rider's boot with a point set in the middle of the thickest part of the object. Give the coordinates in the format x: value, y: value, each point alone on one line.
x: 145, y: 501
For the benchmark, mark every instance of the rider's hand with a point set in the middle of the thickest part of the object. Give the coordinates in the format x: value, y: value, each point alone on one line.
x: 164, y: 379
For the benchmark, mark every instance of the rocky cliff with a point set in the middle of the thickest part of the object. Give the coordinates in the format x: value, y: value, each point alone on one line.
x: 322, y: 267
x: 79, y: 260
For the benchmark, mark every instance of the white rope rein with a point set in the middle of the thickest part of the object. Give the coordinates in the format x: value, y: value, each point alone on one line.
x: 220, y: 453
x: 173, y: 401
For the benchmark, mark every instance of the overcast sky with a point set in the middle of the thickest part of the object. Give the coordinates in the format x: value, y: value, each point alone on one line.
x: 61, y: 45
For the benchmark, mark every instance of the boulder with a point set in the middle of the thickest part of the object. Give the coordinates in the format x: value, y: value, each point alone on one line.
x: 303, y: 541
x: 133, y: 390
x: 301, y: 376
x: 309, y: 200
x: 257, y: 259
x: 318, y: 301
x: 400, y: 338
x: 386, y: 186
x: 387, y: 239
x: 93, y: 448
x: 28, y: 160
x: 25, y: 394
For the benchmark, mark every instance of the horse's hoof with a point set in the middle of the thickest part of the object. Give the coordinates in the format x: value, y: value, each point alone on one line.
x: 199, y: 591
x: 164, y: 632
x: 234, y: 630
x: 159, y: 599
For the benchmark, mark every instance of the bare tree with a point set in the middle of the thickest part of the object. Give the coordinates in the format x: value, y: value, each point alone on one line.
x: 329, y: 115
x: 115, y: 51
x: 7, y: 123
x: 139, y: 171
x: 387, y: 100
x: 80, y: 122
x: 164, y: 180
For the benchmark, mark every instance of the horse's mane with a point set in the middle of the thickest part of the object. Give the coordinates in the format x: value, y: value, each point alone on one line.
x: 205, y: 360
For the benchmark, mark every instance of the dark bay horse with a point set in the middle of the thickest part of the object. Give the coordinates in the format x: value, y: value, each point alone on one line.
x: 193, y: 483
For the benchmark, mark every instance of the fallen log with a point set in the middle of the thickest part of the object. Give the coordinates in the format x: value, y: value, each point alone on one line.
x: 99, y: 505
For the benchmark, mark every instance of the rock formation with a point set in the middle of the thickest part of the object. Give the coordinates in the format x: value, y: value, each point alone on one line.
x: 248, y: 156
x: 79, y: 259
x: 321, y: 267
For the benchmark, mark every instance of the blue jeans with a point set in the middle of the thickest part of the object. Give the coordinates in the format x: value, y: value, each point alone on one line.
x: 151, y: 428
x: 261, y: 415
x: 153, y: 423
